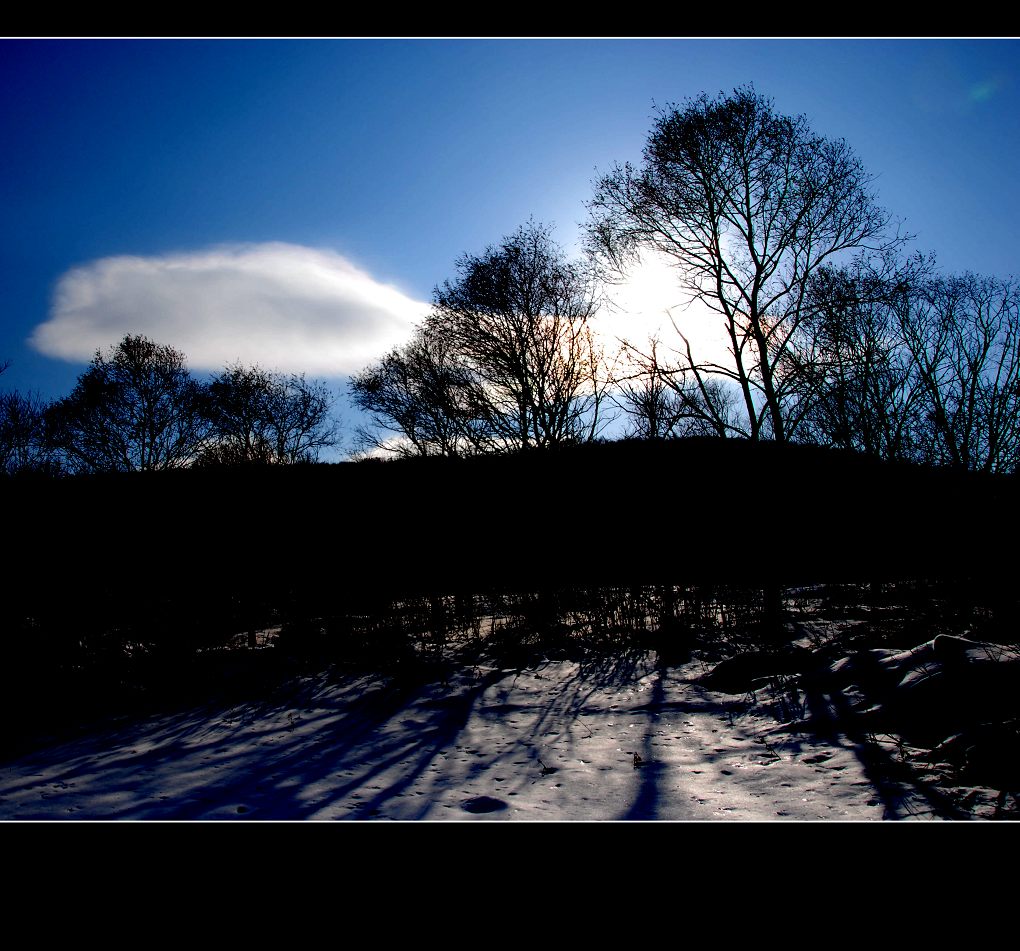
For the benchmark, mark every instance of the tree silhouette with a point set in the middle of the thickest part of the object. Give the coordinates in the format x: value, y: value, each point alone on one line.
x: 256, y: 416
x: 861, y: 389
x: 647, y: 397
x: 518, y: 315
x: 963, y: 335
x: 673, y: 400
x: 23, y: 440
x: 506, y: 359
x: 136, y: 407
x: 749, y: 204
x: 422, y: 400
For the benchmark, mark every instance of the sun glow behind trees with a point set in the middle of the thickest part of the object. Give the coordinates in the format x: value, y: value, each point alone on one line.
x: 649, y: 303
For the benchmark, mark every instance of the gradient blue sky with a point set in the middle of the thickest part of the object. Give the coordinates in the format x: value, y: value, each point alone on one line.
x: 300, y: 198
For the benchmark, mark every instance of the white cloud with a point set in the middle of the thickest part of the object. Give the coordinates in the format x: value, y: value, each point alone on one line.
x: 284, y: 306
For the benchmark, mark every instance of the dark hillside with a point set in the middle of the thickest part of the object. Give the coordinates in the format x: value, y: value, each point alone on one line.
x: 629, y: 512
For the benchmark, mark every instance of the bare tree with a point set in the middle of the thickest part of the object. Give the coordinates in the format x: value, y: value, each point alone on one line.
x: 422, y: 400
x: 136, y: 407
x: 518, y: 316
x: 648, y: 399
x: 257, y: 416
x: 963, y: 335
x: 860, y: 389
x: 506, y: 359
x: 23, y: 443
x: 671, y: 401
x: 749, y: 204
x: 903, y: 365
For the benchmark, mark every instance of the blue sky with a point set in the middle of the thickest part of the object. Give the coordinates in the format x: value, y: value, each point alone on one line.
x: 294, y: 202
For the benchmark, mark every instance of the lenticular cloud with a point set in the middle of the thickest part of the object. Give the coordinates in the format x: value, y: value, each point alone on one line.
x: 283, y: 306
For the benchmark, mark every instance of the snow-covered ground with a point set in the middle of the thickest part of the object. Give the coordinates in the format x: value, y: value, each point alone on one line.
x: 613, y: 738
